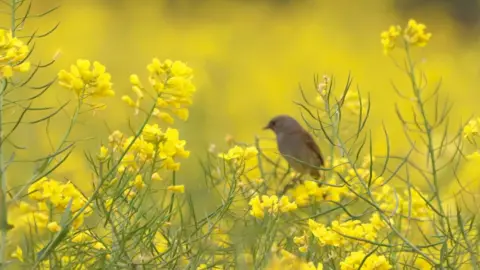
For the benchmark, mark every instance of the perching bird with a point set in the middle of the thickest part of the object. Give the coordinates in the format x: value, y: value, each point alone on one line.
x: 296, y: 145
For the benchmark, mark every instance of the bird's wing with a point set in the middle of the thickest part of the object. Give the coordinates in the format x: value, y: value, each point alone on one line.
x: 313, y: 146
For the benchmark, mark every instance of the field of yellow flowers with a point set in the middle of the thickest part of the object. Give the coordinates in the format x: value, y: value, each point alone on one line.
x: 142, y: 148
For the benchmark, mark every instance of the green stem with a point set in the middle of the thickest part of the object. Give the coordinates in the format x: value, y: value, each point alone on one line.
x: 172, y: 198
x: 3, y: 178
x: 95, y: 193
x: 428, y: 132
x: 3, y: 185
x: 52, y: 157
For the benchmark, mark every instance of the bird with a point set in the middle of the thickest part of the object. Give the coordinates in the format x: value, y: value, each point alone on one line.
x: 296, y: 145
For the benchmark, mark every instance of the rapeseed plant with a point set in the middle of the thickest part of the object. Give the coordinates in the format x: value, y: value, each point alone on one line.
x: 364, y: 213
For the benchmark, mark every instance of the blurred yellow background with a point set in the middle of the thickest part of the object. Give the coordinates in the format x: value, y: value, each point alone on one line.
x: 249, y: 58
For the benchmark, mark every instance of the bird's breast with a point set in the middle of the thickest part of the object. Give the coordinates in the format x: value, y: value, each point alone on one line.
x: 289, y: 145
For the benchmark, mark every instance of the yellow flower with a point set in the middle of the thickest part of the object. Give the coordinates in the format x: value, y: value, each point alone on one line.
x: 165, y: 117
x: 18, y: 253
x: 471, y: 130
x: 177, y: 188
x: 115, y: 139
x: 53, y: 226
x: 25, y: 207
x: 108, y: 204
x: 377, y: 222
x: 128, y: 163
x: 35, y: 190
x: 160, y: 242
x: 156, y: 177
x: 81, y: 237
x: 138, y: 182
x: 343, y: 234
x: 138, y: 90
x: 7, y: 71
x: 373, y: 262
x: 286, y: 206
x: 166, y: 146
x: 86, y: 81
x: 182, y: 113
x: 152, y: 133
x: 129, y: 193
x: 103, y: 155
x: 170, y: 148
x: 300, y: 194
x: 415, y: 34
x: 301, y: 242
x: 78, y: 221
x: 256, y: 209
x: 172, y: 81
x: 13, y: 54
x: 42, y: 206
x: 99, y: 246
x: 287, y: 260
x: 389, y: 38
x: 474, y: 156
x: 238, y: 153
x: 414, y: 204
x: 135, y: 80
x: 271, y: 204
x: 129, y: 101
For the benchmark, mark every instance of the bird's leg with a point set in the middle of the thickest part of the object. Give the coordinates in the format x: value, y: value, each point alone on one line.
x: 286, y: 188
x: 296, y: 180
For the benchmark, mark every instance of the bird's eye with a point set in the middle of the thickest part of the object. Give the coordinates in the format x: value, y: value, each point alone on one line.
x: 273, y: 123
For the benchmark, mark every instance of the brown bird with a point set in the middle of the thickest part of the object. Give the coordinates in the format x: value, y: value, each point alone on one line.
x: 296, y: 145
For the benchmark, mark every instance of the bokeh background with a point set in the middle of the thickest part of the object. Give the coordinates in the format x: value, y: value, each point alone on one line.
x: 249, y: 58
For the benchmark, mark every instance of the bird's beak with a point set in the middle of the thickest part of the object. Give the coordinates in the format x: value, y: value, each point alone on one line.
x: 266, y: 127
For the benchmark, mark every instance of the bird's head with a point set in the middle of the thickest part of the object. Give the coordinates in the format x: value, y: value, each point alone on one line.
x: 283, y: 124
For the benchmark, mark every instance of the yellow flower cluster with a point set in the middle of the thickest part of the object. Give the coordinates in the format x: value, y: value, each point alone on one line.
x: 346, y: 234
x: 389, y: 38
x: 322, y: 89
x: 32, y: 216
x: 87, y: 81
x: 411, y: 203
x: 18, y: 254
x: 66, y: 260
x: 302, y: 242
x: 57, y: 194
x: 13, y: 54
x: 270, y: 204
x: 470, y: 133
x: 308, y: 192
x: 153, y: 144
x: 239, y: 154
x: 172, y: 82
x: 85, y: 236
x: 288, y: 261
x: 354, y: 105
x: 414, y: 34
x: 359, y: 258
x: 471, y: 129
x: 335, y: 190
